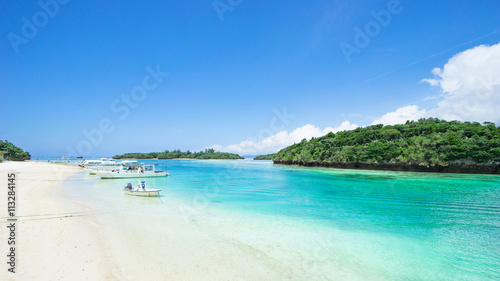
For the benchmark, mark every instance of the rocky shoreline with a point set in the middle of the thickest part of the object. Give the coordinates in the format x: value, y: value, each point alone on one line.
x: 452, y: 168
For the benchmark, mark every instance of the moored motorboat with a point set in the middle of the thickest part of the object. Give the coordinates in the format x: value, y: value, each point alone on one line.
x: 92, y: 164
x: 110, y: 166
x: 141, y: 171
x: 141, y: 190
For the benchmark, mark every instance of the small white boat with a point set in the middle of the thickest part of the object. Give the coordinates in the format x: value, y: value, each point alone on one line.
x: 141, y: 190
x: 93, y: 164
x: 141, y: 171
x: 109, y: 166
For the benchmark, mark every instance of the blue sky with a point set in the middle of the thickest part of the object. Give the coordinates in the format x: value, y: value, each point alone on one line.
x: 230, y: 69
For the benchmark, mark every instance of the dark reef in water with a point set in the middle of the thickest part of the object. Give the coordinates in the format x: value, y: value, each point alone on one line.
x: 453, y: 168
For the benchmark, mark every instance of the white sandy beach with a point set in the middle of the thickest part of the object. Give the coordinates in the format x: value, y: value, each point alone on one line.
x: 50, y: 246
x: 56, y: 242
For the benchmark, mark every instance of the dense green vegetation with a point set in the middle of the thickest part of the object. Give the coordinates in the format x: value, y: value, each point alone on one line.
x: 426, y: 142
x: 8, y: 151
x: 265, y: 157
x: 176, y: 154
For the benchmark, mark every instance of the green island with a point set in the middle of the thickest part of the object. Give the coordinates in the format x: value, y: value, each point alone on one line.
x: 9, y: 151
x: 265, y: 157
x: 426, y: 145
x: 208, y: 154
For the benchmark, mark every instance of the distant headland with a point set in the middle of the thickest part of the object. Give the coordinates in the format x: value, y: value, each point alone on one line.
x: 426, y: 145
x: 9, y: 151
x: 265, y: 157
x: 208, y: 154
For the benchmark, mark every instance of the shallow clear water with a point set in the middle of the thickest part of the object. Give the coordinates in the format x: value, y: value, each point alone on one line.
x: 326, y: 223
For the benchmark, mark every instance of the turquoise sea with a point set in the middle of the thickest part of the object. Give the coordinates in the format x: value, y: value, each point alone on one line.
x: 317, y: 224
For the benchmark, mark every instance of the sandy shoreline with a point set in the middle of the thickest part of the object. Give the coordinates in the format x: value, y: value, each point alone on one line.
x: 50, y: 245
x: 57, y: 242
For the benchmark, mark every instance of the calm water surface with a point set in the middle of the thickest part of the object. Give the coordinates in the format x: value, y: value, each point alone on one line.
x: 326, y: 223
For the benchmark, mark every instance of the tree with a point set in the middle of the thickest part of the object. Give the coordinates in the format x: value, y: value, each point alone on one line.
x: 426, y: 142
x: 11, y: 152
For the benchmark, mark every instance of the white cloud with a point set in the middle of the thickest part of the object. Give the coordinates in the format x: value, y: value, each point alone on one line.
x: 345, y: 126
x: 401, y: 115
x: 281, y: 139
x: 431, y: 98
x: 433, y: 82
x: 436, y: 71
x: 470, y: 86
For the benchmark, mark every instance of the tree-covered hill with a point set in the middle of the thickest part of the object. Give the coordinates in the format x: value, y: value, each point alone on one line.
x: 8, y: 151
x: 265, y: 157
x: 424, y: 145
x: 177, y: 154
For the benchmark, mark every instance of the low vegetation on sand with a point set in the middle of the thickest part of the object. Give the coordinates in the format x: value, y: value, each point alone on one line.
x: 265, y: 157
x: 177, y: 154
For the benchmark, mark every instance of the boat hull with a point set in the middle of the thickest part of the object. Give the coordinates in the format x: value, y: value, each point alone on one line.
x: 125, y: 175
x: 90, y: 171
